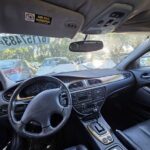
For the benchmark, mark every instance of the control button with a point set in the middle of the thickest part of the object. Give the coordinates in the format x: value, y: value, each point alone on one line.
x: 109, y: 138
x: 63, y: 102
x: 105, y: 141
x: 115, y: 23
x: 83, y: 106
x: 117, y: 14
x: 95, y: 109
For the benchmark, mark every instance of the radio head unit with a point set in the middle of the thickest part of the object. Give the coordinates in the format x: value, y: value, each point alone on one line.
x: 85, y: 101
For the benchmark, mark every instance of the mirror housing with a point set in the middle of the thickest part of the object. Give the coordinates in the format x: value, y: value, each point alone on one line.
x: 86, y: 46
x: 144, y: 61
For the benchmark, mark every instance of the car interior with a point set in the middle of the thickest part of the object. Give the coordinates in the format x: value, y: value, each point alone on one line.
x: 88, y: 109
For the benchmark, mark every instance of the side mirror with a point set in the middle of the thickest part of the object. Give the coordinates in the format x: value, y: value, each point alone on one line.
x: 144, y: 61
x: 86, y: 46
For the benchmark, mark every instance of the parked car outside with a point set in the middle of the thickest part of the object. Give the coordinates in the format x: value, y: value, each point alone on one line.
x: 56, y: 65
x: 16, y: 69
x: 95, y: 63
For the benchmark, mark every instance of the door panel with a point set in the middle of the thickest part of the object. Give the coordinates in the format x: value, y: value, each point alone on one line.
x: 143, y: 95
x: 142, y: 76
x: 141, y: 101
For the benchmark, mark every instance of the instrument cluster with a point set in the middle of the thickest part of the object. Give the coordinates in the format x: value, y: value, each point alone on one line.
x: 36, y: 88
x: 31, y: 90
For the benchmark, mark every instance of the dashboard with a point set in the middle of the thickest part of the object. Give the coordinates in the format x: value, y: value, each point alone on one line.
x: 88, y: 92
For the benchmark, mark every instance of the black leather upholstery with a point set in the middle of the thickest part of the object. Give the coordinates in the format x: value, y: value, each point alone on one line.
x: 140, y: 135
x: 78, y: 147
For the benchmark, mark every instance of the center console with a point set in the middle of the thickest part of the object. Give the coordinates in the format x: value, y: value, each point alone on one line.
x: 102, y: 135
x: 87, y: 103
x: 100, y: 132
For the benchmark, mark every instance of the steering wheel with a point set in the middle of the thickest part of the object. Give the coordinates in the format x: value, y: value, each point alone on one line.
x: 41, y: 108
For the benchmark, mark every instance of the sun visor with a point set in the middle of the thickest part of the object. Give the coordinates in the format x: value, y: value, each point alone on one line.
x: 38, y: 18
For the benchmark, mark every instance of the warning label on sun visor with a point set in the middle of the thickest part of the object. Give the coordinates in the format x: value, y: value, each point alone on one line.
x: 36, y: 18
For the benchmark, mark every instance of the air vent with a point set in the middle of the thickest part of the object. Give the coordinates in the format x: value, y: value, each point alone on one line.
x: 94, y: 81
x: 127, y: 75
x: 76, y: 85
x: 7, y: 94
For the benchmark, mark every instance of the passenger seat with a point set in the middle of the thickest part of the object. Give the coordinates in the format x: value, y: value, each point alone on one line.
x: 138, y: 136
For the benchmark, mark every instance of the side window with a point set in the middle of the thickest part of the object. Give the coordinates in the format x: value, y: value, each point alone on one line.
x: 144, y: 61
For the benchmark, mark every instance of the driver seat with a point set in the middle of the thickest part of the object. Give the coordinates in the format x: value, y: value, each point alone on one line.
x: 78, y: 147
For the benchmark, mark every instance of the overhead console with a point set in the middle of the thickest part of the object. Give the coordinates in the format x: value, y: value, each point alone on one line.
x: 109, y: 20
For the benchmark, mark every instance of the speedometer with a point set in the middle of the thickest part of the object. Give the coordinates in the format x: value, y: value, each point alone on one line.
x: 50, y: 86
x: 31, y: 90
x: 36, y: 88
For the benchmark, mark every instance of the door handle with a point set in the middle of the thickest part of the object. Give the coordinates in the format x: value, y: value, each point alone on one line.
x: 146, y: 76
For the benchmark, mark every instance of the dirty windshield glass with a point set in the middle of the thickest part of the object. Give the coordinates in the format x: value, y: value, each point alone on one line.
x: 25, y: 56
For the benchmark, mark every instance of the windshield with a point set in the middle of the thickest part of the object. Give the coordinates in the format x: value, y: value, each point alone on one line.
x: 25, y: 56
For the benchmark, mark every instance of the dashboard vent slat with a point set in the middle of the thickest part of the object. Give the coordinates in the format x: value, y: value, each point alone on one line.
x: 76, y: 85
x: 94, y: 82
x: 7, y: 96
x: 127, y: 75
x: 8, y: 93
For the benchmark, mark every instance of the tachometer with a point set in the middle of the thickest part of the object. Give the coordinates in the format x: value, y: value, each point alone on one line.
x: 37, y: 88
x: 30, y: 91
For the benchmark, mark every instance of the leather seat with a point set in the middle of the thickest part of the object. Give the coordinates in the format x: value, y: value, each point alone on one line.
x: 78, y: 147
x: 140, y: 135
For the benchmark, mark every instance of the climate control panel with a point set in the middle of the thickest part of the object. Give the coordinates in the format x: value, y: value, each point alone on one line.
x: 88, y: 100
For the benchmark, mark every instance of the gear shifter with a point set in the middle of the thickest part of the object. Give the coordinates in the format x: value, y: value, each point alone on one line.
x: 96, y: 127
x: 102, y: 134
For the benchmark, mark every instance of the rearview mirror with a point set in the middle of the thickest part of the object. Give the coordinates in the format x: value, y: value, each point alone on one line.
x: 86, y: 46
